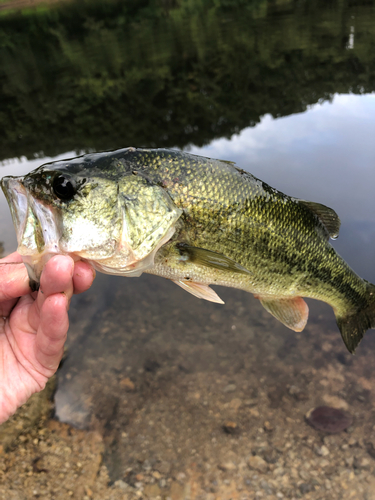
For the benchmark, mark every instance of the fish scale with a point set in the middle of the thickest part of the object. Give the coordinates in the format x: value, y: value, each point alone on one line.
x: 238, y: 215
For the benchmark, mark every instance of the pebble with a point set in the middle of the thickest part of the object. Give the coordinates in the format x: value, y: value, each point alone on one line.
x: 335, y: 402
x: 121, y: 484
x: 267, y: 426
x: 254, y: 412
x: 321, y: 451
x: 162, y: 483
x: 257, y: 463
x: 127, y: 384
x: 361, y: 463
x: 230, y: 388
x: 163, y: 467
x: 227, y: 466
x: 235, y: 404
x: 230, y: 427
x: 305, y: 488
x: 151, y: 491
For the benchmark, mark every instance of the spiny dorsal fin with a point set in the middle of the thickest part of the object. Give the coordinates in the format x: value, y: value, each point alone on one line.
x: 207, y: 258
x: 326, y: 215
x: 292, y: 312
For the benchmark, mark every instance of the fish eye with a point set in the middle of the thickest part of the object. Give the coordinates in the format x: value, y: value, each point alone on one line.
x: 64, y: 187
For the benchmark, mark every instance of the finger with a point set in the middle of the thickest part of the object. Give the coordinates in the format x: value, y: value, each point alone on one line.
x: 56, y: 278
x: 52, y: 332
x: 83, y: 276
x: 14, y: 281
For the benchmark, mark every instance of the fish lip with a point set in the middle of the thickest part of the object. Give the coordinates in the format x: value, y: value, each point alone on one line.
x: 16, y: 196
x: 22, y: 204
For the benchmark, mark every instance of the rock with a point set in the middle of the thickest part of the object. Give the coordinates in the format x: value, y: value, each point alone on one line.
x: 270, y: 455
x: 121, y: 484
x: 258, y: 464
x: 322, y: 451
x: 227, y: 466
x: 235, y: 404
x: 162, y: 483
x: 230, y: 427
x: 305, y: 488
x: 151, y: 490
x: 163, y: 467
x: 177, y: 491
x: 335, y: 402
x: 181, y: 476
x: 328, y: 419
x: 127, y: 384
x: 254, y: 412
x: 361, y: 463
x: 230, y: 388
x: 267, y: 426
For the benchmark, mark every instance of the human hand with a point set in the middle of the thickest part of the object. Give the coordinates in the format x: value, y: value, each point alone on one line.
x: 34, y: 326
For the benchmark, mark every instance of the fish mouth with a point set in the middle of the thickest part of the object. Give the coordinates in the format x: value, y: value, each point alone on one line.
x: 35, y: 225
x: 16, y: 196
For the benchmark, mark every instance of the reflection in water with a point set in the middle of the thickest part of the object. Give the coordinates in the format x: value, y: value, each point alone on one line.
x: 106, y: 74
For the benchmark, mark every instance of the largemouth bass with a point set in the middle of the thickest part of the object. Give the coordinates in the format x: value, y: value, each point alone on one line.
x: 195, y: 221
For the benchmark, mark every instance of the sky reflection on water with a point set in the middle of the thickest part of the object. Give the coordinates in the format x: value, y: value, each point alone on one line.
x: 326, y: 153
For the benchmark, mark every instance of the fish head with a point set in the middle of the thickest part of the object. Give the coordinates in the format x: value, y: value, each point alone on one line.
x: 58, y: 211
x: 116, y: 223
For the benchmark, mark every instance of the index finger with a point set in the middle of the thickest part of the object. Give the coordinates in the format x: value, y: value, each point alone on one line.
x: 14, y: 280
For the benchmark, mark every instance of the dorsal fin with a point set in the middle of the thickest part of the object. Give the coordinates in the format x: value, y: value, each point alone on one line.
x: 326, y: 215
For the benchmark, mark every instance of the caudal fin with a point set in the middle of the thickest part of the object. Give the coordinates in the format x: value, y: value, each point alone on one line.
x: 353, y: 326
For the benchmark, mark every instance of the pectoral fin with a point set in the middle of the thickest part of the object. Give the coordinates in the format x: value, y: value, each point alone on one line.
x: 199, y: 290
x: 293, y: 312
x: 207, y: 258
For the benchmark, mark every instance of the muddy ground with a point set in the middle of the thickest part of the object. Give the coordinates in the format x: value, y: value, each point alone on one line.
x: 163, y: 396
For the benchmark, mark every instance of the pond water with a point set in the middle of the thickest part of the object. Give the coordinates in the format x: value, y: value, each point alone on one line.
x: 283, y: 89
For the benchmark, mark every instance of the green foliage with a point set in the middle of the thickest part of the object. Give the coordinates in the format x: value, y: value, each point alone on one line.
x: 100, y: 75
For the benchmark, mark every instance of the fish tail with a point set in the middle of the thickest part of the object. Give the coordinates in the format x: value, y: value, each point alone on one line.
x: 354, y: 325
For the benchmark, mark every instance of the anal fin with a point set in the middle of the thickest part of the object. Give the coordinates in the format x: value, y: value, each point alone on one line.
x: 292, y: 312
x: 199, y: 290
